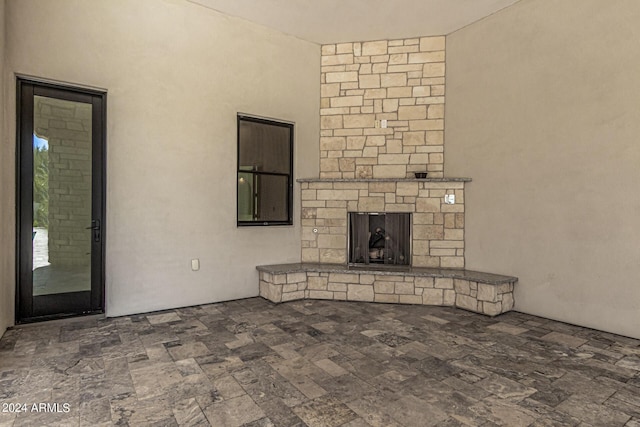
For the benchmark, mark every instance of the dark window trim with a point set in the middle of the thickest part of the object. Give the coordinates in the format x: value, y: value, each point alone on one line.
x: 248, y: 118
x: 98, y: 99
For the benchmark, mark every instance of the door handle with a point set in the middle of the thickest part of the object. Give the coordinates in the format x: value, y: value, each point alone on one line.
x: 95, y: 226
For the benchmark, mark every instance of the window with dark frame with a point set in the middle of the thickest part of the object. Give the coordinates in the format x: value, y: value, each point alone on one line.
x: 265, y: 172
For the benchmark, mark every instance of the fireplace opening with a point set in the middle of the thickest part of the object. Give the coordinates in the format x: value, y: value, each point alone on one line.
x: 382, y: 239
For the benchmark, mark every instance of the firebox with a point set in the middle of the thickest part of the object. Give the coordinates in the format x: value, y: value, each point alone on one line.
x: 379, y: 238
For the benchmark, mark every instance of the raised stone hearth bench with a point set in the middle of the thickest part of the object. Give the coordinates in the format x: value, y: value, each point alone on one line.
x: 484, y: 293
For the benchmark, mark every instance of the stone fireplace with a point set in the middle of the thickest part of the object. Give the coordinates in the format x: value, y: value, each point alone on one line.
x: 379, y: 239
x: 382, y: 120
x: 437, y: 228
x: 435, y: 274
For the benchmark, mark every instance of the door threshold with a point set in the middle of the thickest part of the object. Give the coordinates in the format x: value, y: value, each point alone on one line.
x: 58, y: 319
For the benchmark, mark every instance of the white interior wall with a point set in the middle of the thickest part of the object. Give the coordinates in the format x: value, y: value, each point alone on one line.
x: 176, y: 75
x: 543, y: 113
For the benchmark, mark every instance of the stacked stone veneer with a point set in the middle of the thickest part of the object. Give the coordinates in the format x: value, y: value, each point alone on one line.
x: 437, y: 228
x: 401, y: 81
x: 366, y: 167
x: 486, y: 298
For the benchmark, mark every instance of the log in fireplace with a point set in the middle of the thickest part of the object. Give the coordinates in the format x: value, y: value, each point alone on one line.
x: 382, y: 239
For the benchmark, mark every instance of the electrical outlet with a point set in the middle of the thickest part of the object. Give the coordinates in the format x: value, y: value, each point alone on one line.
x: 376, y: 124
x: 195, y: 264
x: 450, y: 199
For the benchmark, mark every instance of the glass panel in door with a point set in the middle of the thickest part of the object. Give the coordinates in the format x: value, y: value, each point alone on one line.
x: 62, y: 199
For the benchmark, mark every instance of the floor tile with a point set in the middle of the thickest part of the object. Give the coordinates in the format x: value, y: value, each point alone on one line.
x: 560, y: 338
x: 593, y: 413
x: 155, y: 319
x: 320, y: 363
x: 233, y: 412
x: 324, y: 411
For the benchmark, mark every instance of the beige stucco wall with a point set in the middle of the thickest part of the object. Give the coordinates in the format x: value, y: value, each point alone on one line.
x: 543, y: 113
x: 176, y: 75
x: 7, y: 208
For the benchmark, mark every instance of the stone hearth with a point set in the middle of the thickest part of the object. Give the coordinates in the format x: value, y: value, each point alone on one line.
x: 484, y: 293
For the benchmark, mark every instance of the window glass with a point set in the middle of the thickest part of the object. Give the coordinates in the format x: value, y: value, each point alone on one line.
x: 265, y: 180
x: 265, y: 147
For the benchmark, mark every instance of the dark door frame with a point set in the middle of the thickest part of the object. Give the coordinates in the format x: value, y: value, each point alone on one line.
x: 93, y: 303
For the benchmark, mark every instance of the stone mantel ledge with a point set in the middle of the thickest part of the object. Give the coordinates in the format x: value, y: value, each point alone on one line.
x: 383, y: 180
x: 485, y: 293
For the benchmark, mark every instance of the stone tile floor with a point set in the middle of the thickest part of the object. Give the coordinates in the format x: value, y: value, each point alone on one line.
x: 318, y: 363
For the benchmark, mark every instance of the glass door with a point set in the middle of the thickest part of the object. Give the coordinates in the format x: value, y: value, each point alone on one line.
x: 61, y: 201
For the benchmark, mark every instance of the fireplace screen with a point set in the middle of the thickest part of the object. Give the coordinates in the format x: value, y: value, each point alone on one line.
x: 379, y: 238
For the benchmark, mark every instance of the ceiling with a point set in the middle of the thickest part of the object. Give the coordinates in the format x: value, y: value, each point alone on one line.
x: 334, y: 21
